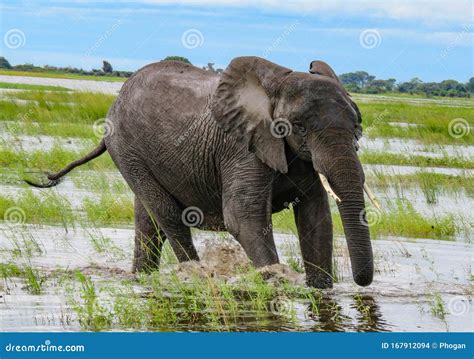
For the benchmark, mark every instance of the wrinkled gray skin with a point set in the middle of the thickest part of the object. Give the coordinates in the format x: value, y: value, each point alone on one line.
x: 183, y: 137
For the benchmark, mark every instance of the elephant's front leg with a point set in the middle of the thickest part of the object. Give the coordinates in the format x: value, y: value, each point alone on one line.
x: 313, y: 220
x: 247, y: 216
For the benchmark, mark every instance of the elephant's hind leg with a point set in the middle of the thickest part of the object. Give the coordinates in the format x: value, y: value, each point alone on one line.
x: 149, y: 239
x: 162, y: 206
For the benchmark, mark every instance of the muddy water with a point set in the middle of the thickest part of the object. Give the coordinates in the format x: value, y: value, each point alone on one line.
x: 410, y: 275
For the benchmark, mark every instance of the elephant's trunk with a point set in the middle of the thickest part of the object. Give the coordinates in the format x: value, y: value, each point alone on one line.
x: 334, y: 156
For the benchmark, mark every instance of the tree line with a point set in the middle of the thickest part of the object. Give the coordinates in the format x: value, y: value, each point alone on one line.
x: 362, y: 82
x: 359, y: 81
x: 105, y: 70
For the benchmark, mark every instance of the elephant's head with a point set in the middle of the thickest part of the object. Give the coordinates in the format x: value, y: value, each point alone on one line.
x: 265, y: 105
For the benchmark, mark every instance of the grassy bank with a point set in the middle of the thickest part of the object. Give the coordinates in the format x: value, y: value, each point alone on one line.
x: 15, y: 86
x: 51, y: 160
x: 433, y: 122
x: 112, y: 209
x: 385, y: 158
x: 56, y: 75
x: 58, y: 107
x: 427, y: 181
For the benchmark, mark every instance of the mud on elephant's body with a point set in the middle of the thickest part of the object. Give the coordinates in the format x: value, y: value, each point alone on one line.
x: 224, y: 153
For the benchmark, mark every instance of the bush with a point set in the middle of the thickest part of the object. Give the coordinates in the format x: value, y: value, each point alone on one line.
x: 178, y: 58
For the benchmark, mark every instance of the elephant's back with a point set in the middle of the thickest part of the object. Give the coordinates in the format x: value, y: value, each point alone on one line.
x: 162, y: 120
x: 164, y: 90
x: 170, y: 82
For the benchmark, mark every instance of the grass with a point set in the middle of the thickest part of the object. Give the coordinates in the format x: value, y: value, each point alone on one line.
x: 52, y: 160
x: 104, y: 245
x: 429, y: 115
x: 16, y: 86
x: 34, y: 280
x: 59, y: 107
x: 379, y: 157
x: 114, y: 208
x: 91, y: 314
x: 43, y: 208
x: 57, y: 75
x: 79, y: 130
x: 409, y: 96
x: 8, y: 270
x: 428, y: 181
x: 399, y: 219
x: 432, y: 120
x: 76, y: 97
x: 110, y: 208
x: 438, y: 309
x: 198, y: 303
x: 50, y: 208
x: 99, y: 181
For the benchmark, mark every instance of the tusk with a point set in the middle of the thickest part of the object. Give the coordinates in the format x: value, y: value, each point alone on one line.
x: 328, y: 188
x: 371, y: 196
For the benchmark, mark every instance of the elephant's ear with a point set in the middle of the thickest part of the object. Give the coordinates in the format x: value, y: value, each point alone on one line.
x: 323, y: 69
x: 243, y: 107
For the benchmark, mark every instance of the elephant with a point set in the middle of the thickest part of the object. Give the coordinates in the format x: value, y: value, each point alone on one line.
x: 226, y: 152
x: 321, y: 68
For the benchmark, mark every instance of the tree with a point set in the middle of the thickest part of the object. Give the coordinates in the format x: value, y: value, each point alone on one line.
x: 358, y: 79
x: 178, y: 58
x: 4, y: 64
x: 470, y: 85
x: 415, y: 85
x: 210, y: 67
x: 381, y: 85
x: 107, y: 67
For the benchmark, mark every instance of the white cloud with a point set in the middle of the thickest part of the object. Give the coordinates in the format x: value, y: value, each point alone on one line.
x: 428, y: 11
x: 464, y: 37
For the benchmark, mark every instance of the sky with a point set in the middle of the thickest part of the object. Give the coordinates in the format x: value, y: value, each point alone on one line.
x: 431, y: 40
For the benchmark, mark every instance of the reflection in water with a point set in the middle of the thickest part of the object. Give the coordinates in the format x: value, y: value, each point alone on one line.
x: 317, y: 313
x: 328, y: 315
x: 369, y: 314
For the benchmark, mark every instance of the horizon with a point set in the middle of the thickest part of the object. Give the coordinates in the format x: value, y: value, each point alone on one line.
x: 389, y: 39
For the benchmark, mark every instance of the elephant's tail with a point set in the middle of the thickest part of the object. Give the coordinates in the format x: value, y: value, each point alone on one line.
x: 55, y: 178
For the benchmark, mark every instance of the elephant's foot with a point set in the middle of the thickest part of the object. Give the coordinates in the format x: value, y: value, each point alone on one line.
x: 319, y: 280
x: 145, y: 265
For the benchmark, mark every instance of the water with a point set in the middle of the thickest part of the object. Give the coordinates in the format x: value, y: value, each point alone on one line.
x: 409, y: 275
x: 412, y: 147
x: 82, y: 85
